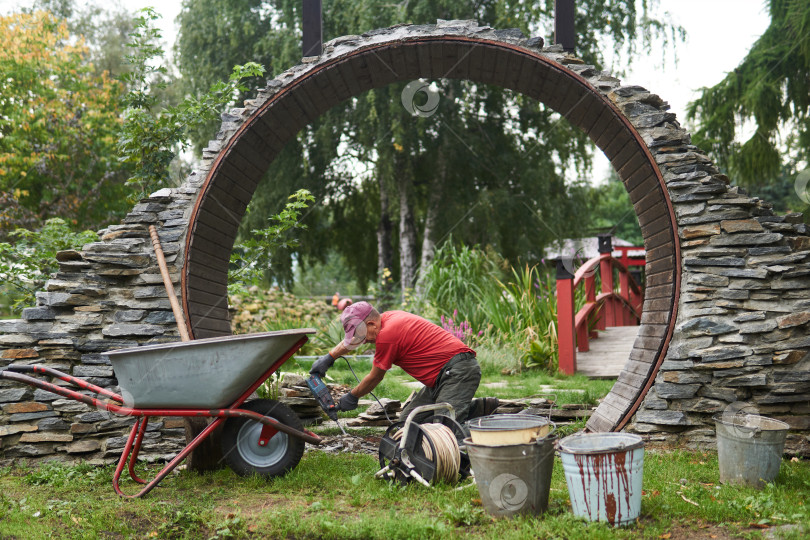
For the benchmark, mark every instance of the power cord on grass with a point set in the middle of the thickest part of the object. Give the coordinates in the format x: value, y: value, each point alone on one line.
x: 372, y: 393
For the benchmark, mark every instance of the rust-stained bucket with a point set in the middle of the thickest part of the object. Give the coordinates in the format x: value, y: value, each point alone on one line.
x: 604, y: 472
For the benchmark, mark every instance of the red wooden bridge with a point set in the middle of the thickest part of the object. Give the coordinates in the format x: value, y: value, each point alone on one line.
x: 596, y: 339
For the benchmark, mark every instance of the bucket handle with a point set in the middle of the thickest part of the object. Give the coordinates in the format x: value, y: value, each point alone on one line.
x: 551, y: 433
x: 551, y: 403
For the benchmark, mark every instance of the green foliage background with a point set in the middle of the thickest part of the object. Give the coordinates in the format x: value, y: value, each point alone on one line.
x: 29, y: 259
x: 491, y: 167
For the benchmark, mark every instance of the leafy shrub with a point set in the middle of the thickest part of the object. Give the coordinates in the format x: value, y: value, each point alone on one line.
x: 150, y: 139
x: 263, y: 310
x: 525, y: 309
x: 251, y: 260
x: 27, y: 262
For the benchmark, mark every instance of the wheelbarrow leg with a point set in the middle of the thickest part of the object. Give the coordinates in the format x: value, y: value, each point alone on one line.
x: 133, y: 458
x: 125, y: 454
x: 169, y: 466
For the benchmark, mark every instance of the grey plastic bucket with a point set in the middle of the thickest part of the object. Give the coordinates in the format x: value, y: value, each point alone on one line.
x: 749, y: 448
x: 604, y: 473
x: 514, y: 478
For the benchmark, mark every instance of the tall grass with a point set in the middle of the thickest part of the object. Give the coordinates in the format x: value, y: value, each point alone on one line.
x: 515, y: 309
x: 524, y: 312
x: 457, y: 279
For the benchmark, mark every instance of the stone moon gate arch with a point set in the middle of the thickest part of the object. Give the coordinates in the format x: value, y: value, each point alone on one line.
x: 627, y: 124
x: 726, y: 314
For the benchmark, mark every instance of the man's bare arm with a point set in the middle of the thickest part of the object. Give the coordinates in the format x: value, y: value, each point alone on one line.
x: 369, y: 382
x: 339, y: 350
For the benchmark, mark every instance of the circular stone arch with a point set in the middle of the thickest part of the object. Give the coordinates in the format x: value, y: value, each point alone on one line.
x: 617, y: 119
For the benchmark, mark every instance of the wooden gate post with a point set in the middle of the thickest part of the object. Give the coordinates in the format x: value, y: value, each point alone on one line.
x: 608, y: 317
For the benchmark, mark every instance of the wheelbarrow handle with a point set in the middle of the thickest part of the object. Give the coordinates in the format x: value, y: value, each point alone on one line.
x: 79, y: 383
x: 12, y: 375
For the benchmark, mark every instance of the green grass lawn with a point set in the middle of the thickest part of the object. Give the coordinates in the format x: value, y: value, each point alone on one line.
x: 336, y: 496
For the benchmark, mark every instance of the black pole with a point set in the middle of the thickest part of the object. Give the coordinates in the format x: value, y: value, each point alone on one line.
x: 312, y: 28
x: 605, y: 243
x: 564, y: 24
x: 563, y: 271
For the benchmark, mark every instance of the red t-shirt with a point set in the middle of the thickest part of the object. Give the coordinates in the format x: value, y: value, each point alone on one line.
x: 418, y: 346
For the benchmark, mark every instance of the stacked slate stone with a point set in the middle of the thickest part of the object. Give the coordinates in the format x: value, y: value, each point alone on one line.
x: 560, y: 415
x: 740, y: 340
x: 510, y: 406
x: 108, y: 295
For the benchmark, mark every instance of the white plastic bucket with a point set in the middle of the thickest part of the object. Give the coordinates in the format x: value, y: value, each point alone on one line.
x: 604, y: 473
x: 506, y: 429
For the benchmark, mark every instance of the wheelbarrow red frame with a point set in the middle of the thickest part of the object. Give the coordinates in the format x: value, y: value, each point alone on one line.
x: 129, y: 455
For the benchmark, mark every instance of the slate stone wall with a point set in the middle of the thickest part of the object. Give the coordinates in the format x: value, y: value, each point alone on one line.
x: 740, y: 339
x: 108, y: 295
x: 740, y: 343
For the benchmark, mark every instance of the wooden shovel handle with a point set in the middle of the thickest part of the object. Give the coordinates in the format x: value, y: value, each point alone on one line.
x: 167, y: 282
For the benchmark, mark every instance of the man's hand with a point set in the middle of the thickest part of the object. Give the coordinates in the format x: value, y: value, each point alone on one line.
x: 348, y: 402
x: 320, y: 365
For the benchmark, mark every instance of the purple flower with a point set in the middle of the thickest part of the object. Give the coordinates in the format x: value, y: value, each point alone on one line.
x: 462, y: 330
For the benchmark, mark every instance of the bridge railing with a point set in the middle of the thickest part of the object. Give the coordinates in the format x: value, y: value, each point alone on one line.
x: 610, y: 307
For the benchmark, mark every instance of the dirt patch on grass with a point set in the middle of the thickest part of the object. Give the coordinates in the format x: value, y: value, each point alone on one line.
x: 138, y: 523
x: 702, y: 530
x: 254, y: 505
x: 355, y: 444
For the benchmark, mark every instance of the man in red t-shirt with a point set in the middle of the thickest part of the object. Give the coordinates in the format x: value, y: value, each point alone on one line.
x: 425, y: 351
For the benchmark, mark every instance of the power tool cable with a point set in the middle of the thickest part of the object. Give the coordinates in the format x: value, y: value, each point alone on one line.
x: 372, y: 393
x: 448, y: 453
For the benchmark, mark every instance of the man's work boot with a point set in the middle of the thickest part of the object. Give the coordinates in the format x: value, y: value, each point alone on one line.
x: 483, y: 407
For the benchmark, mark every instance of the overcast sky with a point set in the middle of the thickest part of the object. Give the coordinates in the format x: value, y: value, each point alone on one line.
x: 719, y: 34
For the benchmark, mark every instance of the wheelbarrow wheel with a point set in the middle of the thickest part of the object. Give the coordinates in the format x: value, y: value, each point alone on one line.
x: 240, y: 441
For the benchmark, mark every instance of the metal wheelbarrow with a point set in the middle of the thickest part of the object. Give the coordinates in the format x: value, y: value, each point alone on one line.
x: 209, y: 378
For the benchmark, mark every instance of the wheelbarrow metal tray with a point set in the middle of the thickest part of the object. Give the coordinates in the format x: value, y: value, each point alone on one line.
x: 206, y: 373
